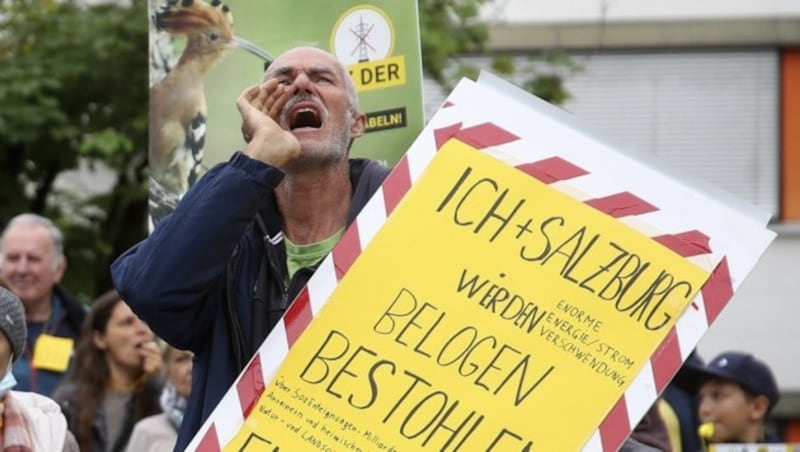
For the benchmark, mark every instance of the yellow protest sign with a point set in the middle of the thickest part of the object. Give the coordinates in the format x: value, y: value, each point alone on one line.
x: 490, y: 312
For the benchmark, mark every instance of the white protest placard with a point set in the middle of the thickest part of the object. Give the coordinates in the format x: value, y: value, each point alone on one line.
x: 515, y: 284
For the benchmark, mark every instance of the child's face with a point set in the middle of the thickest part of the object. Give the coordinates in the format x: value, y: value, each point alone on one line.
x: 735, y: 414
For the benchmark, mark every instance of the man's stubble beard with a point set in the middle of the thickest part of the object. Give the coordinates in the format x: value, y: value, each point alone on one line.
x: 320, y: 155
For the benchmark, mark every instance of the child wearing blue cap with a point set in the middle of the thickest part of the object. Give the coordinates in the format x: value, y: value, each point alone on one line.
x: 736, y: 393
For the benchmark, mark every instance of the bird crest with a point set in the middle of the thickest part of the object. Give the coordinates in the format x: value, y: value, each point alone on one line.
x: 207, y: 27
x: 177, y: 100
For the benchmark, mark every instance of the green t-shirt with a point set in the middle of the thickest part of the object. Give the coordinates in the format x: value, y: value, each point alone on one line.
x: 299, y: 256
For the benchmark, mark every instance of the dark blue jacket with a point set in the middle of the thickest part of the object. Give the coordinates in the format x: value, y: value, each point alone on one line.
x: 684, y: 404
x: 193, y: 279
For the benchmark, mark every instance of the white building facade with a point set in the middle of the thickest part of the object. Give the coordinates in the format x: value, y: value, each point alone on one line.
x: 713, y: 88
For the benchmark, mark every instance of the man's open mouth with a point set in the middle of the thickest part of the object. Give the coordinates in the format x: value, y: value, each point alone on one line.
x: 305, y: 116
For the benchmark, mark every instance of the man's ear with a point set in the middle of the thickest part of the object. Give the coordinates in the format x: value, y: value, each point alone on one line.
x: 359, y: 125
x: 759, y: 405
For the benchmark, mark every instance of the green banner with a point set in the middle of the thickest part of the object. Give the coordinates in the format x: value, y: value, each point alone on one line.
x: 378, y: 41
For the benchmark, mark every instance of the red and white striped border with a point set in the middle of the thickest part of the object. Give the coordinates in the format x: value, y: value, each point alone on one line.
x: 228, y: 417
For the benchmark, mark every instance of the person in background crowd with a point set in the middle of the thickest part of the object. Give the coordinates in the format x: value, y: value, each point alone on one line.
x: 263, y: 220
x: 649, y: 435
x: 678, y: 406
x: 32, y: 264
x: 632, y: 445
x: 114, y: 381
x: 158, y: 433
x: 736, y: 393
x: 28, y: 421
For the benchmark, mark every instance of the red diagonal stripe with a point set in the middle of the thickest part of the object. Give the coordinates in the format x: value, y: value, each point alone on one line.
x: 441, y: 135
x: 250, y: 386
x: 447, y: 103
x: 552, y: 170
x: 485, y: 135
x: 622, y: 205
x: 615, y: 427
x: 718, y: 290
x: 666, y: 360
x: 346, y: 251
x: 686, y: 244
x: 210, y: 442
x: 396, y: 185
x: 297, y: 317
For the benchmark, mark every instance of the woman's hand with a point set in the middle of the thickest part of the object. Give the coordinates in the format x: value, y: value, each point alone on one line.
x: 151, y: 359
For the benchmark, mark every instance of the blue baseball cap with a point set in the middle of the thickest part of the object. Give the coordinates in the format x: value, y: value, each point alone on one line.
x: 746, y: 371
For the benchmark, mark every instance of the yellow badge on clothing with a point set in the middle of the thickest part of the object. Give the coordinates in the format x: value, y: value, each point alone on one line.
x: 52, y: 352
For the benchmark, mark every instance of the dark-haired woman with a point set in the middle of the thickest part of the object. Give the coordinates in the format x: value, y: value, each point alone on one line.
x: 115, y: 380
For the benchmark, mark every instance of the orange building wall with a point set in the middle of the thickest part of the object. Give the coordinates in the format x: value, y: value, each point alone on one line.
x: 790, y: 134
x: 792, y: 434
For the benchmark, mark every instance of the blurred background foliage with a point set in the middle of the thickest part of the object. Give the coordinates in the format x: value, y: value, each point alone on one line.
x: 73, y: 101
x: 73, y: 88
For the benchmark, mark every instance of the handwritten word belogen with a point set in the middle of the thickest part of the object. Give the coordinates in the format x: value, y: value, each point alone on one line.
x: 421, y: 411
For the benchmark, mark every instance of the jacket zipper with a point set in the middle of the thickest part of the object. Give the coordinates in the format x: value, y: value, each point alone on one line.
x: 233, y: 264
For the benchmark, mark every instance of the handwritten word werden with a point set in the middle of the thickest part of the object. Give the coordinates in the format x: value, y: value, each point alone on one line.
x: 636, y: 287
x: 574, y: 338
x: 421, y: 411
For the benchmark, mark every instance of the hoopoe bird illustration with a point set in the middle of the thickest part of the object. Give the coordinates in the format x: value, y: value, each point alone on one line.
x: 177, y: 100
